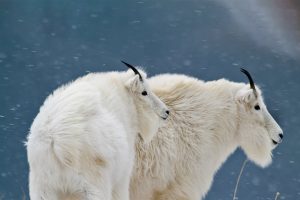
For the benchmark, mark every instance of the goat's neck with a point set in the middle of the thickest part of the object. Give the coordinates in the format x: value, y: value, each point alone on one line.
x: 148, y: 123
x: 230, y: 140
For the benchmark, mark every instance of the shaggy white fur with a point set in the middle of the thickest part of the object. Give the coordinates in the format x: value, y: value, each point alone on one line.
x: 81, y: 144
x: 208, y: 122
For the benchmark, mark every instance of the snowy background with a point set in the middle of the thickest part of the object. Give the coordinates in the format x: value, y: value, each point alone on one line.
x: 44, y: 44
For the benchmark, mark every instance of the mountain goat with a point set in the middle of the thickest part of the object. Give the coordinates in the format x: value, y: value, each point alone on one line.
x: 208, y: 122
x: 81, y: 144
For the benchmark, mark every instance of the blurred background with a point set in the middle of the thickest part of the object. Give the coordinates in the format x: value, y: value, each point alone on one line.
x: 44, y: 44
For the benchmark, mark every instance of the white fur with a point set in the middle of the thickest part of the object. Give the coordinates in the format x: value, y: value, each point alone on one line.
x: 208, y: 121
x: 81, y: 144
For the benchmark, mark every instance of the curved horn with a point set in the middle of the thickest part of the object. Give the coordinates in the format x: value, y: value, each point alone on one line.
x: 133, y: 69
x: 252, y: 86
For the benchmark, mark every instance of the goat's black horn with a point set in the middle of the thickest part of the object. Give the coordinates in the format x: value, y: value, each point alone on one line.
x: 252, y: 86
x: 133, y: 69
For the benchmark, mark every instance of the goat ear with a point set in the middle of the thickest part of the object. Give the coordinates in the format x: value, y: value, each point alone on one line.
x: 245, y: 96
x: 133, y: 83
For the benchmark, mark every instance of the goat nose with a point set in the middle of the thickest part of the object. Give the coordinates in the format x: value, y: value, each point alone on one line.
x: 281, y: 135
x: 168, y: 112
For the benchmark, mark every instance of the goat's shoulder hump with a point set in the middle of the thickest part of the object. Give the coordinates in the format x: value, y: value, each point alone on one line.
x: 173, y: 81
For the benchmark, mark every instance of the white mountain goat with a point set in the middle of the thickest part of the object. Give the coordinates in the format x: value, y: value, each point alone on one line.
x: 208, y: 121
x: 82, y: 143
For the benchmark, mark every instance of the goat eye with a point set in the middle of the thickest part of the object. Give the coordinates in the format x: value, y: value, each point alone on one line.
x: 257, y: 107
x: 144, y: 93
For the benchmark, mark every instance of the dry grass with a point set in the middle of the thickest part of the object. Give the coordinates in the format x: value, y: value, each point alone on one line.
x: 238, y: 181
x: 277, y: 196
x: 23, y: 193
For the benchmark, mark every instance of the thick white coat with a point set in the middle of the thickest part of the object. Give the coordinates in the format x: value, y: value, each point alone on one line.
x: 208, y: 121
x: 81, y: 144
